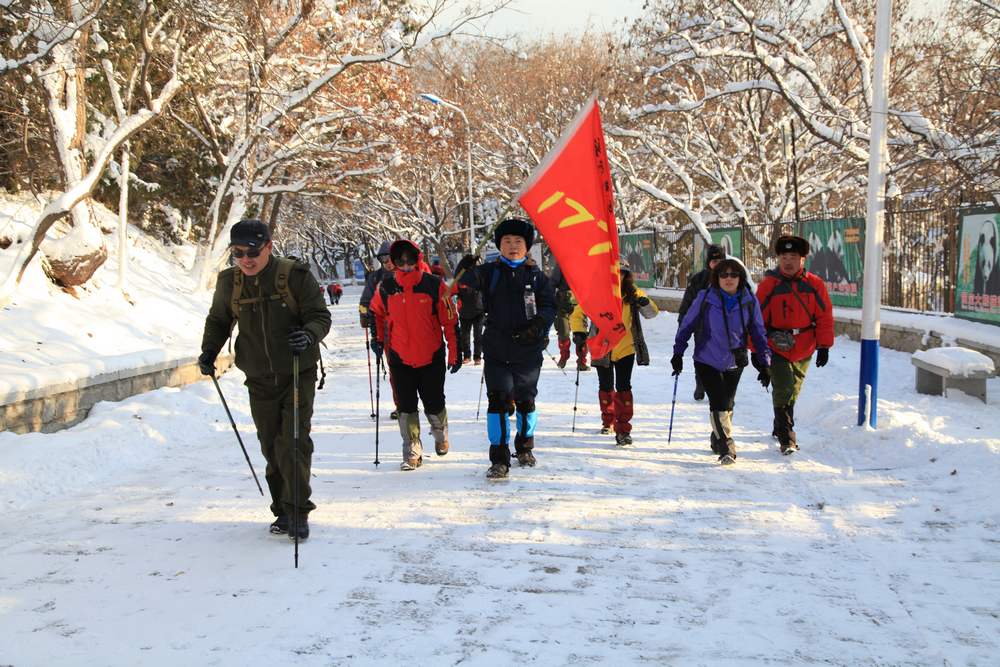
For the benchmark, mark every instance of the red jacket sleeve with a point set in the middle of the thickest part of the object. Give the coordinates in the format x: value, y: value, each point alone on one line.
x: 448, y: 318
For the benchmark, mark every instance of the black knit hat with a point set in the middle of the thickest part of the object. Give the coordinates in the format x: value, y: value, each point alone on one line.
x: 251, y: 233
x: 790, y: 243
x: 714, y: 252
x: 516, y: 227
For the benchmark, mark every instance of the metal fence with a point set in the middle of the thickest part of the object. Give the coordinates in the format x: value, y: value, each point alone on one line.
x: 920, y: 254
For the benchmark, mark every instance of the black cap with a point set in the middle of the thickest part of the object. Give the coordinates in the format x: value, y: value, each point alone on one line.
x: 251, y: 233
x: 714, y: 252
x: 515, y: 227
x: 790, y: 243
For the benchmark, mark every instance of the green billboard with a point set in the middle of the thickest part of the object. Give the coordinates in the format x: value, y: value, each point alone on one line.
x: 636, y: 251
x: 730, y: 238
x: 977, y: 292
x: 836, y: 254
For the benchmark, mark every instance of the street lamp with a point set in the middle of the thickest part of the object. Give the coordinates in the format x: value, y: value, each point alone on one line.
x: 434, y: 99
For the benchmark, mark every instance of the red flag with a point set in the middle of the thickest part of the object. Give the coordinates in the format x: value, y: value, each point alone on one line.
x: 569, y: 198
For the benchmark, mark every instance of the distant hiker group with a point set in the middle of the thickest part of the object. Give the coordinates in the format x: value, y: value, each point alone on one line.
x: 498, y: 314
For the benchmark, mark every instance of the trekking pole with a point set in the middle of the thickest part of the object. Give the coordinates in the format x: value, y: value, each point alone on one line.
x: 378, y: 402
x: 295, y: 454
x: 576, y: 397
x: 670, y: 431
x: 482, y: 378
x: 369, y: 350
x: 236, y: 431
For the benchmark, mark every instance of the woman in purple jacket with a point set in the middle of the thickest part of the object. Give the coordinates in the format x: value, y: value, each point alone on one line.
x: 723, y: 317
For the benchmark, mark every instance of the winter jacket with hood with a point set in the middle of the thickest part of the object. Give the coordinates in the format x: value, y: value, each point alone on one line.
x: 719, y: 330
x: 412, y: 310
x: 800, y: 304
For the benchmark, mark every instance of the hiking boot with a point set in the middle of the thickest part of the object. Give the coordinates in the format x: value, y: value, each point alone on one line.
x: 477, y: 362
x: 526, y: 459
x: 727, y: 459
x: 300, y: 530
x: 280, y: 525
x: 605, y: 430
x: 622, y: 439
x: 789, y: 448
x: 582, y: 366
x: 412, y: 464
x: 394, y: 415
x: 561, y: 363
x: 497, y: 471
x: 441, y: 448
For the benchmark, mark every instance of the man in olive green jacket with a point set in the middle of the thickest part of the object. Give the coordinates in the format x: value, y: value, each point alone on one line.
x: 281, y: 311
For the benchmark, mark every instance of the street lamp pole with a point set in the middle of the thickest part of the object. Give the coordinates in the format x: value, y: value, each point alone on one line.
x: 434, y: 99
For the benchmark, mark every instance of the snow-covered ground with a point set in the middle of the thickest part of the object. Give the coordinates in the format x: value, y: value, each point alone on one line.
x: 138, y: 536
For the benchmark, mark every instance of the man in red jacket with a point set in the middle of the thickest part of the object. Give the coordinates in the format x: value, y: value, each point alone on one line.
x: 798, y: 315
x: 412, y: 310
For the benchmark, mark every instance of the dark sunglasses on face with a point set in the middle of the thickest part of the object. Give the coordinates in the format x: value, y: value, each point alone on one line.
x: 405, y: 261
x: 251, y: 253
x: 729, y: 274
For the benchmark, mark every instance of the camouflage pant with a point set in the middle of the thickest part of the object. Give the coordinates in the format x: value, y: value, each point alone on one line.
x: 786, y: 379
x: 271, y: 407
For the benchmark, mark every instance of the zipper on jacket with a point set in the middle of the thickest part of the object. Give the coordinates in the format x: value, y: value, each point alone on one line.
x: 263, y: 330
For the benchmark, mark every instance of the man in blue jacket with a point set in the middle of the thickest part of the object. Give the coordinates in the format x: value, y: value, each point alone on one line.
x: 520, y: 307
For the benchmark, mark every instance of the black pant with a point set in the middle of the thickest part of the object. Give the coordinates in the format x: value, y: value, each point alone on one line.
x: 472, y: 328
x: 617, y: 376
x: 518, y: 380
x: 719, y: 385
x: 428, y: 381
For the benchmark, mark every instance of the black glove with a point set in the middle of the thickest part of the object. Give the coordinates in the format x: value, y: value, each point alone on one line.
x: 757, y: 362
x: 642, y: 301
x: 677, y: 362
x: 206, y: 363
x: 299, y: 340
x: 363, y: 317
x: 529, y: 333
x: 764, y: 376
x: 378, y: 348
x: 579, y: 338
x: 455, y: 367
x: 822, y: 356
x: 466, y: 263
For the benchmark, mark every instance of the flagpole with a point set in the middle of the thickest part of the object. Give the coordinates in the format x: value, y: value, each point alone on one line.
x: 875, y: 217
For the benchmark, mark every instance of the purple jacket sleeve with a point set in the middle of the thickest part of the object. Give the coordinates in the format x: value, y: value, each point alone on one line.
x: 757, y: 331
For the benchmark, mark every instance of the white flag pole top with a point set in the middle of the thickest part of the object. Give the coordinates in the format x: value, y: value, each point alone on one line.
x: 556, y: 150
x: 875, y: 217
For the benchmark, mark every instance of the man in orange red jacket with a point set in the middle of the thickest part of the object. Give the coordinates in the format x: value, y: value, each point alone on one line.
x: 412, y: 309
x: 798, y: 315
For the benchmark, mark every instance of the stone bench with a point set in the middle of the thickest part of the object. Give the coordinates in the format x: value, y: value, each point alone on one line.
x: 943, y: 368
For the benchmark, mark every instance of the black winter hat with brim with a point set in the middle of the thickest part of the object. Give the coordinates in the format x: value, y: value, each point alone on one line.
x: 251, y: 233
x: 791, y: 243
x: 404, y: 247
x: 515, y: 227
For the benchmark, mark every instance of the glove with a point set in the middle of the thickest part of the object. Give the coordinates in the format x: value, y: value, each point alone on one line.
x: 363, y: 318
x: 466, y: 263
x: 206, y: 363
x: 455, y: 367
x: 642, y: 301
x: 764, y: 376
x: 378, y: 348
x: 822, y: 356
x: 677, y: 362
x: 579, y: 338
x: 530, y: 333
x: 757, y: 362
x: 300, y: 340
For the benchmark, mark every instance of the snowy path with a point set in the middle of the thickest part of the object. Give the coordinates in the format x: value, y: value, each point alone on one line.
x: 138, y: 537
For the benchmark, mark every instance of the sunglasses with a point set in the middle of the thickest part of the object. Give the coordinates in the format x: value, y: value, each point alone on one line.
x: 251, y: 253
x: 729, y: 274
x: 405, y: 261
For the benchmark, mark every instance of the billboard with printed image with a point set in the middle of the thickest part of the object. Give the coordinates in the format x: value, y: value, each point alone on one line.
x: 730, y: 238
x: 977, y: 292
x: 836, y: 254
x: 636, y: 250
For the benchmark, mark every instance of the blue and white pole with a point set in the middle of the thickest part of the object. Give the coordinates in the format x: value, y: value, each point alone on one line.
x: 874, y: 221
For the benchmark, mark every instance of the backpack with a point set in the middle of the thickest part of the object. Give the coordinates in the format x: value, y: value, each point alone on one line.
x: 284, y: 269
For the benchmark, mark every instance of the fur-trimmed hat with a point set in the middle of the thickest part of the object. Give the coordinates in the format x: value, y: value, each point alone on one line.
x: 516, y: 227
x: 790, y: 243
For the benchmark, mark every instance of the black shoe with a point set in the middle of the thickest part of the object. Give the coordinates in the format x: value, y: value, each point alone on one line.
x: 497, y: 471
x: 394, y: 415
x: 789, y: 448
x: 280, y: 525
x: 605, y: 430
x: 526, y: 458
x: 622, y: 439
x: 301, y: 529
x: 727, y: 459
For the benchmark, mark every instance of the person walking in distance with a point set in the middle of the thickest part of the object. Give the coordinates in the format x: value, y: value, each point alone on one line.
x: 471, y: 314
x: 565, y: 303
x: 724, y: 317
x: 614, y: 370
x: 412, y: 310
x: 696, y: 283
x: 281, y: 312
x: 798, y: 315
x: 520, y: 307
